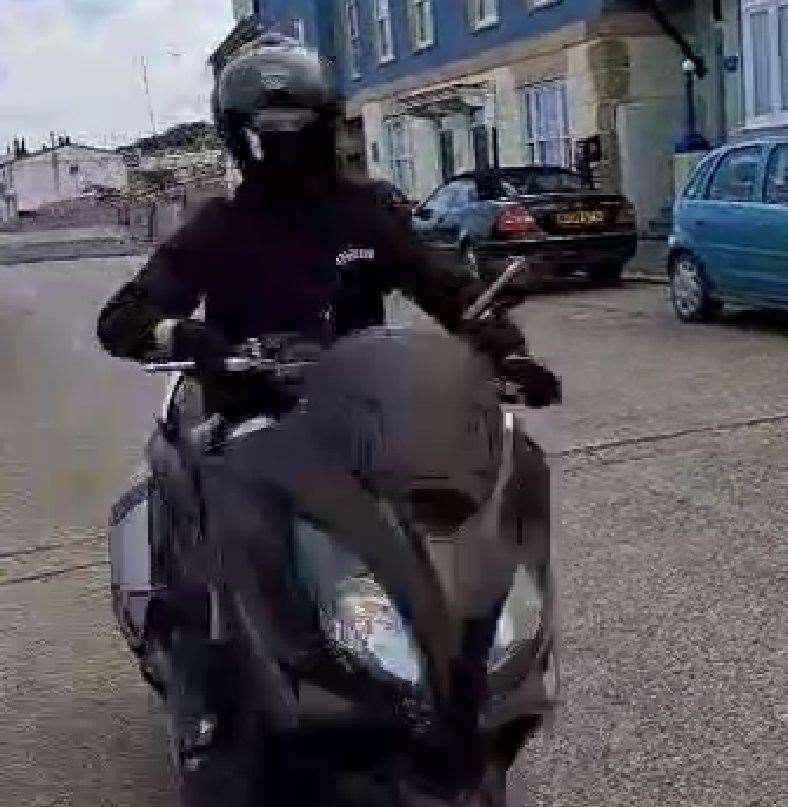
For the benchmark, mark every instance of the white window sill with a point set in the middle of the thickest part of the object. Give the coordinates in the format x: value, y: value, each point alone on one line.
x: 485, y: 24
x: 542, y: 4
x: 421, y: 46
x: 767, y: 121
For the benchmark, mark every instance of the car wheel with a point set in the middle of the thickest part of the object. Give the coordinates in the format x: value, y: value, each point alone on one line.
x: 605, y: 274
x: 470, y: 261
x: 689, y: 291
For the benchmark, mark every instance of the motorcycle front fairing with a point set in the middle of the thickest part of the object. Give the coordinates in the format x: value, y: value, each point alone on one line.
x: 467, y: 493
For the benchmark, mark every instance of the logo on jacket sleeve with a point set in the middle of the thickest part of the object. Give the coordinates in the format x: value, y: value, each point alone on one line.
x: 355, y: 254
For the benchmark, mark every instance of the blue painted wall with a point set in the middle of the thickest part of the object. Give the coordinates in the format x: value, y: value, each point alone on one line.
x: 284, y: 11
x: 454, y: 38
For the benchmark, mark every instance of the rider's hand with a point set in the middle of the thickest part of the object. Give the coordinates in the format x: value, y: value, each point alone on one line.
x: 506, y: 345
x: 195, y: 340
x: 538, y: 385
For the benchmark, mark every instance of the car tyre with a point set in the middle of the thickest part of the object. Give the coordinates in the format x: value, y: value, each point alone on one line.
x: 689, y: 291
x: 605, y: 274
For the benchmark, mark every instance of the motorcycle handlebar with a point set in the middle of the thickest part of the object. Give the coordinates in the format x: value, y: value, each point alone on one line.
x: 242, y: 364
x: 232, y: 364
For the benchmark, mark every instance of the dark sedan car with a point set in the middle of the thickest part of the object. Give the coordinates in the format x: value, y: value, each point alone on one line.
x: 545, y: 212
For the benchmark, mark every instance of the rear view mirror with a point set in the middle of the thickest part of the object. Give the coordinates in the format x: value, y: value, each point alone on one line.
x: 422, y: 213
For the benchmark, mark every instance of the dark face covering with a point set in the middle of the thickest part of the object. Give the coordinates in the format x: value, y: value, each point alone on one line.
x: 296, y: 164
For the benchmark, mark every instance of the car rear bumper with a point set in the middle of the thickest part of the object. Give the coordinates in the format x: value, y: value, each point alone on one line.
x: 564, y: 252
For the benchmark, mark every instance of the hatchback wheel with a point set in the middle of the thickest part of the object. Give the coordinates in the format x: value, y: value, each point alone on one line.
x: 689, y: 291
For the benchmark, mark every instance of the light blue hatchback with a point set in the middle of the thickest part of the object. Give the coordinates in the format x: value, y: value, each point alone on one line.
x: 730, y: 232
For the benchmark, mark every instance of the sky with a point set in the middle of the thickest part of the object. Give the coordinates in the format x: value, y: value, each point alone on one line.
x: 75, y: 67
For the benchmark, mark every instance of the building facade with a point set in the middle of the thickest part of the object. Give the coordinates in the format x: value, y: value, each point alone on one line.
x: 435, y: 87
x: 65, y: 172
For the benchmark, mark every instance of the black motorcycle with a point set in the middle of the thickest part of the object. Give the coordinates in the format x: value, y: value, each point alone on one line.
x: 399, y: 646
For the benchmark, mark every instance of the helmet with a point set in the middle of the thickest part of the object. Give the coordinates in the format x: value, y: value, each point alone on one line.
x: 270, y: 85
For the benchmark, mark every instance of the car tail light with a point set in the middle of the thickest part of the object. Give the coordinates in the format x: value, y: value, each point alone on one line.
x: 515, y: 221
x: 626, y: 215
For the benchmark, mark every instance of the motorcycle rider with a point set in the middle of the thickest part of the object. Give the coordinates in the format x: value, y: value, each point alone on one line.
x: 299, y: 248
x: 297, y: 242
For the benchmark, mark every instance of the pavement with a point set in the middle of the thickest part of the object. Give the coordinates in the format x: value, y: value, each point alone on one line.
x: 672, y: 564
x: 70, y: 244
x: 65, y: 244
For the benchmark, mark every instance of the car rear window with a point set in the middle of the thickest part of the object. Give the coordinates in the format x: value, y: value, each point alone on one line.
x: 540, y: 182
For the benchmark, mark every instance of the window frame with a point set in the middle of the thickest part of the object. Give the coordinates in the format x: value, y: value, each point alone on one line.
x: 759, y: 182
x: 533, y: 138
x: 299, y: 30
x: 400, y: 153
x: 778, y: 94
x: 353, y: 24
x: 416, y: 8
x: 380, y: 22
x: 491, y: 18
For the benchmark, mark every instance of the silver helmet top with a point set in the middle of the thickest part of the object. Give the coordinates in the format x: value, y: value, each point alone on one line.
x: 272, y: 71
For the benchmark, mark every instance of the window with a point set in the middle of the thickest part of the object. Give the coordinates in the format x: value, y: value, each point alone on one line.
x: 696, y: 185
x: 441, y: 201
x: 539, y: 180
x: 354, y: 37
x: 777, y: 177
x: 765, y: 61
x: 483, y: 13
x: 398, y: 136
x: 299, y: 31
x: 545, y: 122
x: 384, y: 36
x: 421, y: 23
x: 466, y: 193
x: 738, y: 177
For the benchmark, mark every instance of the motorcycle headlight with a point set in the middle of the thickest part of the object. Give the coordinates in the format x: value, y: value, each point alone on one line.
x: 361, y: 618
x: 354, y: 610
x: 357, y: 613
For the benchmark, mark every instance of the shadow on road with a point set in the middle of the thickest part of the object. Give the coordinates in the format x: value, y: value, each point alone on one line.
x: 765, y: 321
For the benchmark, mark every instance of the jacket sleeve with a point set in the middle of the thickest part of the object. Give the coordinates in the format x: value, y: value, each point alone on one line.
x: 168, y: 286
x: 405, y: 265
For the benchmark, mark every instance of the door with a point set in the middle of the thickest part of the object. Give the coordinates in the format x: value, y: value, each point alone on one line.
x: 447, y: 154
x: 459, y: 209
x: 773, y: 228
x: 481, y: 147
x: 726, y: 226
x: 429, y: 219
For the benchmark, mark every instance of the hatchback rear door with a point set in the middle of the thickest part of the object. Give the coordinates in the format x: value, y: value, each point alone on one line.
x: 773, y: 227
x: 726, y: 227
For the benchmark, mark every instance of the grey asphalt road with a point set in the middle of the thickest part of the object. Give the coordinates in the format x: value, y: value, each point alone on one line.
x: 672, y: 555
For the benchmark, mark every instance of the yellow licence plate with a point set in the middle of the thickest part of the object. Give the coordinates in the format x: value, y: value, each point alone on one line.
x: 581, y: 217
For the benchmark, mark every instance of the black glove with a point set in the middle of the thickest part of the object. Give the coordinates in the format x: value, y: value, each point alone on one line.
x: 508, y: 349
x: 195, y: 340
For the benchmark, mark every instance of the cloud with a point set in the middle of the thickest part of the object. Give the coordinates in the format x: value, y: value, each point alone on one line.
x: 75, y: 66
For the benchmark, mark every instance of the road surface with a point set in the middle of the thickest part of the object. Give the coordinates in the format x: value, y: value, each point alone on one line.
x: 674, y: 500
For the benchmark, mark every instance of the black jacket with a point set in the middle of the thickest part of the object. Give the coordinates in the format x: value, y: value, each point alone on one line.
x: 266, y: 265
